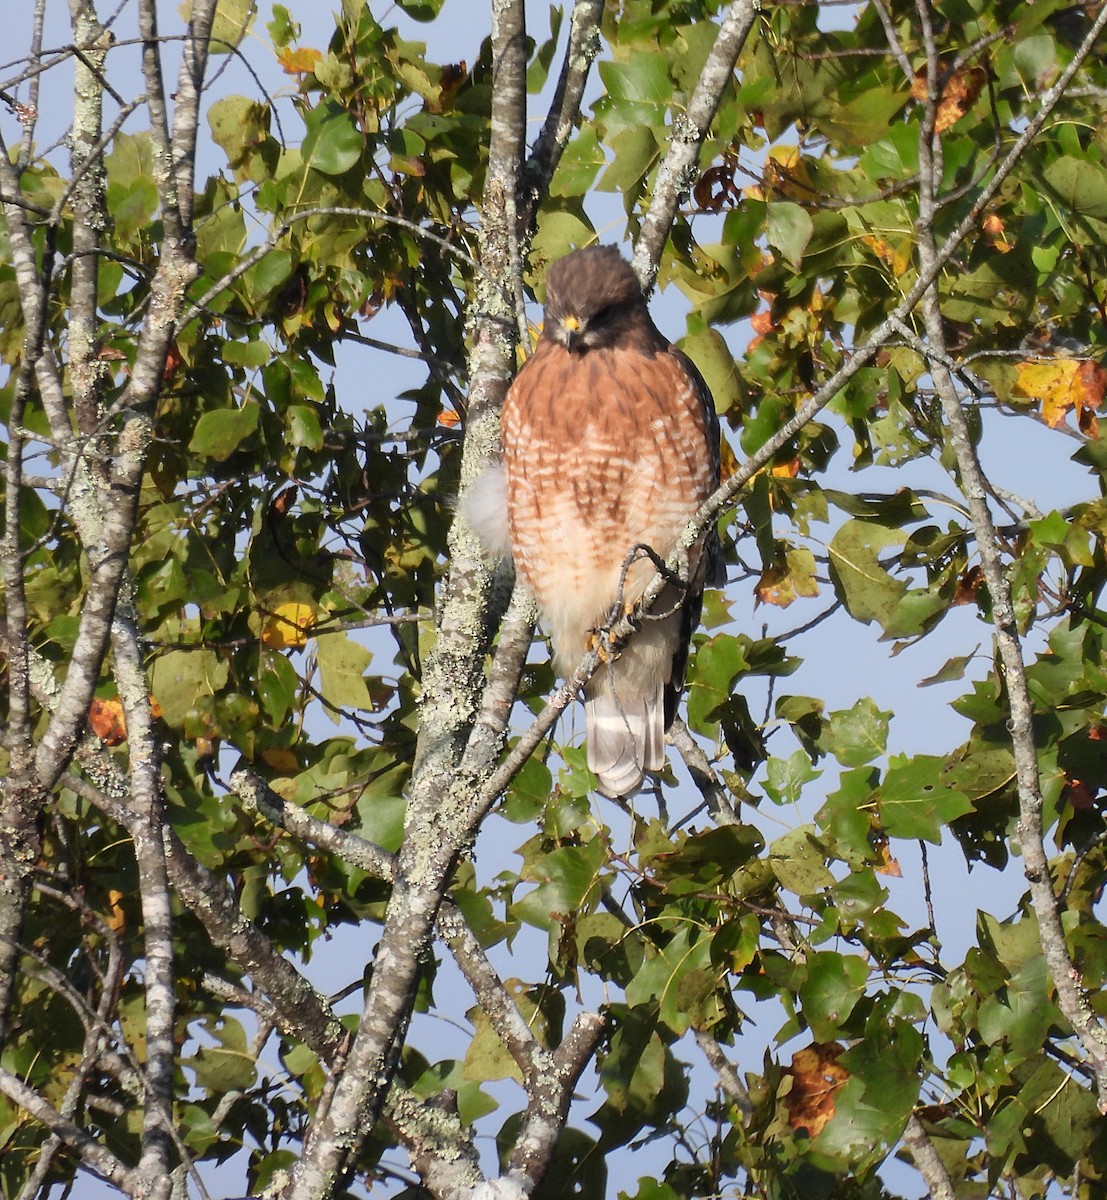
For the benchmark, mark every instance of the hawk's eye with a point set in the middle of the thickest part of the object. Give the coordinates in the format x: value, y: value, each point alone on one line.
x: 603, y: 315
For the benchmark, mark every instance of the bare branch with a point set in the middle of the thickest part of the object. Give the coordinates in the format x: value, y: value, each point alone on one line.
x: 729, y: 1080
x: 925, y: 1157
x: 95, y: 1157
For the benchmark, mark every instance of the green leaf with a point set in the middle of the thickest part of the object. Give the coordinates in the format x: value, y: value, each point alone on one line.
x: 245, y: 354
x: 1080, y: 185
x: 218, y: 434
x: 181, y: 680
x: 421, y: 10
x: 952, y: 669
x: 581, y: 162
x: 799, y: 862
x: 569, y: 882
x: 228, y: 1066
x: 233, y: 19
x: 304, y: 428
x: 709, y: 351
x: 859, y: 734
x: 785, y: 777
x: 381, y: 819
x: 333, y: 143
x: 342, y: 666
x: 788, y: 229
x: 863, y: 585
x: 834, y: 984
x: 914, y: 801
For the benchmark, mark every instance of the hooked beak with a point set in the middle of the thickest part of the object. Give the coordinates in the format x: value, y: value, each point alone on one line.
x: 573, y: 329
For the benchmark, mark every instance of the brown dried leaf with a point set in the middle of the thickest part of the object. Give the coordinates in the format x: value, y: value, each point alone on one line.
x: 816, y: 1078
x: 968, y: 585
x: 715, y: 189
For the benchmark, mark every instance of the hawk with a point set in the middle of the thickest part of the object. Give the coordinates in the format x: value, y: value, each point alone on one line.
x: 610, y: 441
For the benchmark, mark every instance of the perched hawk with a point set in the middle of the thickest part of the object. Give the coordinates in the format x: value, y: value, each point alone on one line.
x: 610, y: 439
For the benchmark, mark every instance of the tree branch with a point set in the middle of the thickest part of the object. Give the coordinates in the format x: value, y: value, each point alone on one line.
x: 96, y: 1158
x: 1066, y: 979
x: 678, y: 170
x: 580, y: 52
x: 925, y: 1157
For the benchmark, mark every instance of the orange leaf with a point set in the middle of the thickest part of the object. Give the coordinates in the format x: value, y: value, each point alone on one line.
x: 995, y: 231
x: 284, y: 761
x: 282, y: 502
x: 959, y: 94
x: 301, y: 61
x: 105, y: 719
x: 898, y: 257
x: 762, y: 322
x: 816, y: 1078
x: 450, y: 418
x: 172, y: 361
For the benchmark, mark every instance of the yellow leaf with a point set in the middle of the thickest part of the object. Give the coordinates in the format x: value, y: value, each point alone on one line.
x: 116, y: 918
x: 1061, y: 384
x: 775, y: 587
x: 897, y: 256
x: 288, y: 625
x: 728, y: 464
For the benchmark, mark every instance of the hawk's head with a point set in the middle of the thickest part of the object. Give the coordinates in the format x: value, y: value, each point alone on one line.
x: 594, y: 301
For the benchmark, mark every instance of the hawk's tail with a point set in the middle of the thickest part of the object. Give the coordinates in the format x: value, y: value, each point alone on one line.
x: 625, y: 727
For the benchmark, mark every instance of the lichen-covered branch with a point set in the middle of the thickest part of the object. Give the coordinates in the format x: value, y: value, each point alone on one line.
x: 580, y: 51
x: 438, y: 820
x: 678, y: 170
x: 1066, y: 979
